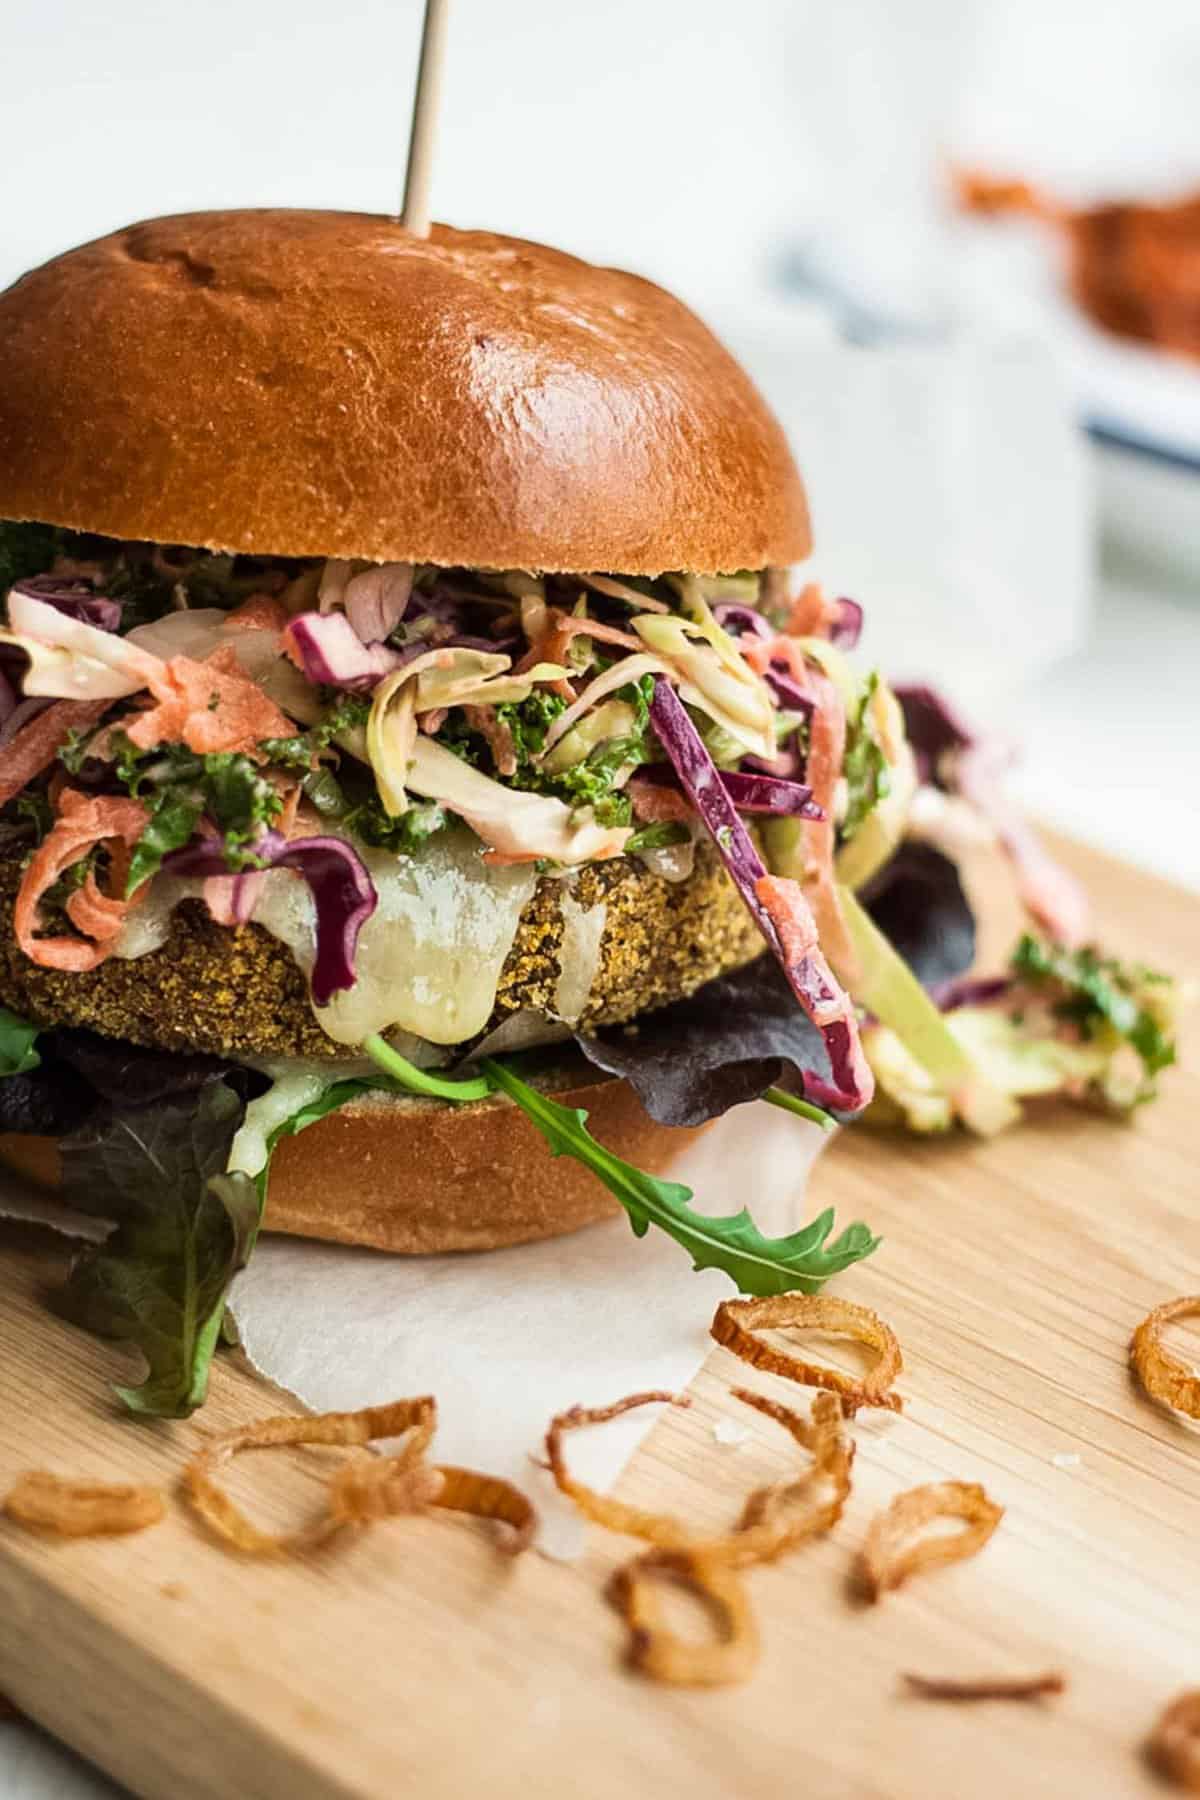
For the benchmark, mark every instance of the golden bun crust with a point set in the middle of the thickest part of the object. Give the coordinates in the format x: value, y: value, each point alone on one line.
x: 415, y: 1177
x: 301, y: 383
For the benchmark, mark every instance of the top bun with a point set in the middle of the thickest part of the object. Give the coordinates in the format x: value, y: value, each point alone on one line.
x: 324, y: 384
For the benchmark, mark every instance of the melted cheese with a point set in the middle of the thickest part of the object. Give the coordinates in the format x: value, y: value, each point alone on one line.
x: 430, y: 956
x: 291, y: 1089
x: 579, y: 956
x: 146, y: 928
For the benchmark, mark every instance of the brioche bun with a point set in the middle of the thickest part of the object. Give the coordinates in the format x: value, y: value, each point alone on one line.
x: 411, y: 1175
x: 293, y: 383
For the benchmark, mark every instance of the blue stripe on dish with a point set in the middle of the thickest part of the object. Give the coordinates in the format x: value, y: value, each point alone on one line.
x: 1117, y: 438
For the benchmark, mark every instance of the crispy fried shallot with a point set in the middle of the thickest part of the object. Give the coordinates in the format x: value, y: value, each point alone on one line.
x: 82, y: 1508
x: 988, y: 1687
x: 1174, y: 1744
x: 772, y: 1521
x: 356, y: 1494
x: 366, y: 1487
x: 487, y: 1497
x: 886, y: 1564
x: 1164, y: 1375
x: 737, y: 1323
x: 654, y: 1649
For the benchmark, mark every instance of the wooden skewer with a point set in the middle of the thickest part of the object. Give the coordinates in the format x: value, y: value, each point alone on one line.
x: 418, y: 180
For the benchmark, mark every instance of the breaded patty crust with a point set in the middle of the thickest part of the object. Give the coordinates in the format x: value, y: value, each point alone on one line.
x: 239, y: 991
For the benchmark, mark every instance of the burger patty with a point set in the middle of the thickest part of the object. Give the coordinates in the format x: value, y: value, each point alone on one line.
x: 239, y: 991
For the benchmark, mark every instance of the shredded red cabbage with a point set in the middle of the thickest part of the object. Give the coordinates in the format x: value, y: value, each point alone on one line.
x: 76, y: 597
x: 786, y: 689
x: 847, y: 625
x: 754, y: 793
x: 703, y: 786
x: 740, y: 620
x: 970, y: 990
x: 934, y: 729
x: 331, y: 653
x: 343, y: 894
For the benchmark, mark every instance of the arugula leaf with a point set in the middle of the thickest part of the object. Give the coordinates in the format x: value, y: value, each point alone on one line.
x: 1103, y: 997
x: 17, y: 1040
x: 183, y: 1229
x: 756, y: 1264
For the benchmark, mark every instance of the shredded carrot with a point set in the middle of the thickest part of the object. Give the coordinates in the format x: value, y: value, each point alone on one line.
x: 826, y: 751
x: 261, y: 612
x: 653, y: 803
x: 572, y: 627
x: 552, y: 647
x: 209, y: 706
x: 820, y: 993
x: 37, y: 744
x: 497, y: 734
x: 811, y: 614
x: 83, y: 820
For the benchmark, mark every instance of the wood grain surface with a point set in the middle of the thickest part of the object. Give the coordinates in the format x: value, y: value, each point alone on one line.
x: 416, y: 1660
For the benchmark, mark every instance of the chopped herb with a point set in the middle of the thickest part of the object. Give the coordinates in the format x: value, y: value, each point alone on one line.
x: 348, y: 713
x: 1104, y: 998
x: 405, y: 835
x: 657, y: 836
x: 180, y: 789
x: 33, y: 806
x: 864, y: 766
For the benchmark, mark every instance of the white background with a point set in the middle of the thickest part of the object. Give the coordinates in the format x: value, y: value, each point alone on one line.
x: 709, y: 145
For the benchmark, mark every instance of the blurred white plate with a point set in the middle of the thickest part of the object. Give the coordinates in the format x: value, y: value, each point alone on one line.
x: 1141, y: 405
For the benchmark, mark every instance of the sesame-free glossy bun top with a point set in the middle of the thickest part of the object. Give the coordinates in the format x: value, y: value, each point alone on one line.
x: 325, y: 384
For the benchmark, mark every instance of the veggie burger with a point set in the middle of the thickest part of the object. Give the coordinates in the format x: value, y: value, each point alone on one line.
x: 416, y: 760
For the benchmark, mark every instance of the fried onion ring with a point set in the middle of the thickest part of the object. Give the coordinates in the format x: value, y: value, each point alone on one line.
x: 1174, y: 1744
x: 82, y: 1508
x: 885, y: 1564
x: 737, y: 1323
x: 656, y: 1650
x: 356, y: 1493
x: 990, y: 1687
x: 1165, y: 1377
x: 487, y: 1497
x: 770, y: 1522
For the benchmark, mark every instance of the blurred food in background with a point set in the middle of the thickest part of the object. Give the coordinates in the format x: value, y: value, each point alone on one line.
x: 1134, y: 269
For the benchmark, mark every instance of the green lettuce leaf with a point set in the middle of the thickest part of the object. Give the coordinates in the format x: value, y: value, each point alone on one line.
x: 183, y: 1230
x: 17, y: 1040
x: 756, y: 1264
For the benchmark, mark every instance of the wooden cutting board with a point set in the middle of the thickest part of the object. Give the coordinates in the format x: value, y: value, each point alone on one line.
x: 416, y: 1660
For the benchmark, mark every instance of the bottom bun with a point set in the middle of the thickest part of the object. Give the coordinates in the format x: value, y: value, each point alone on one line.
x: 416, y: 1176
